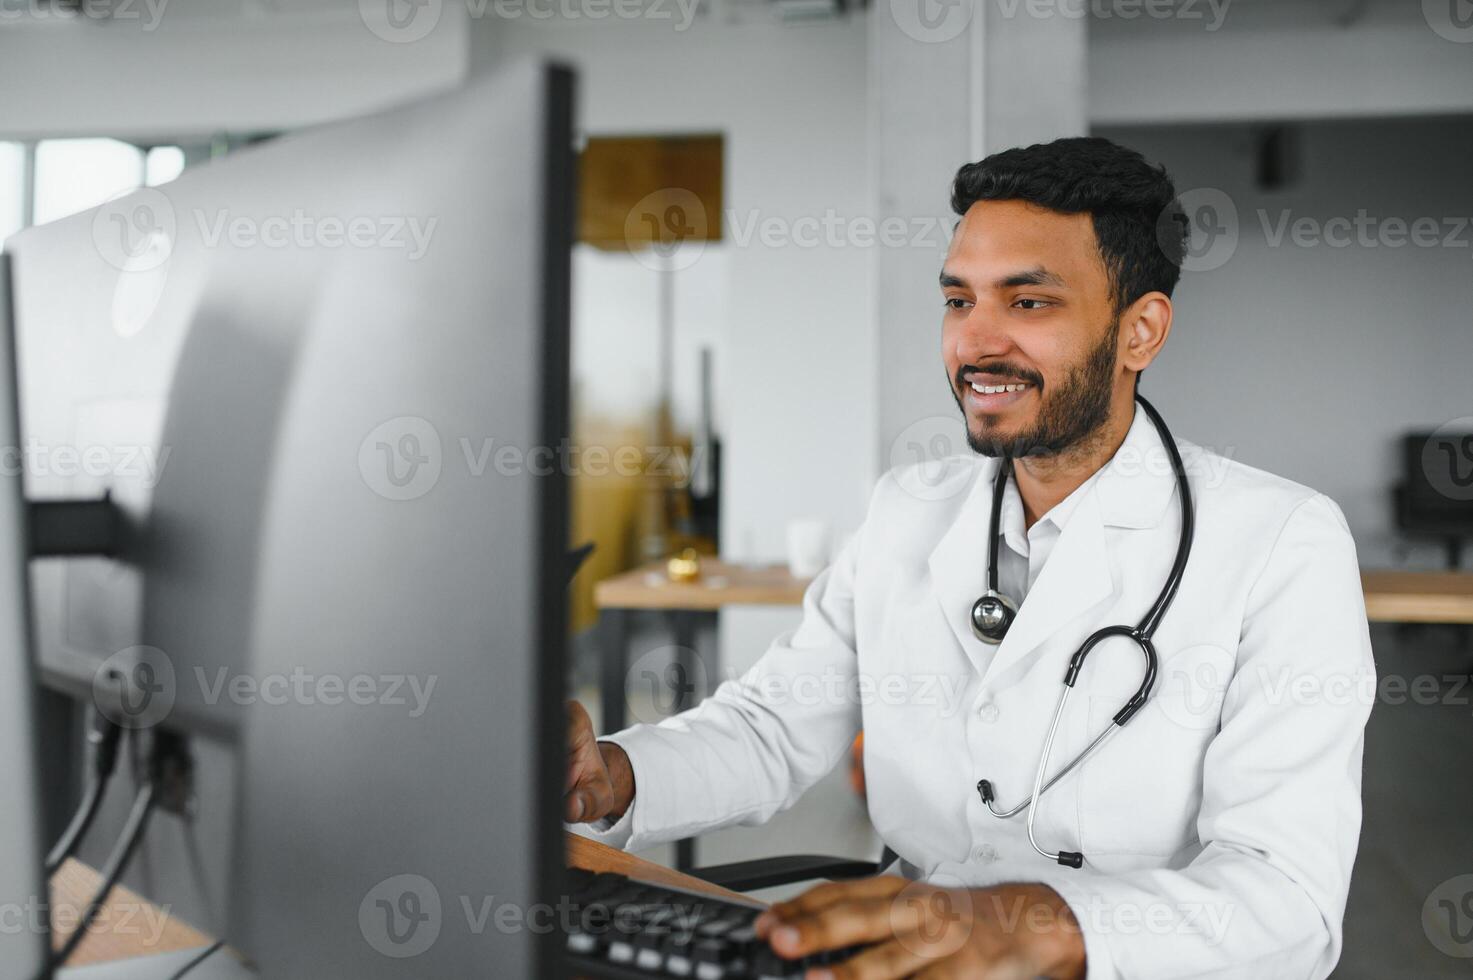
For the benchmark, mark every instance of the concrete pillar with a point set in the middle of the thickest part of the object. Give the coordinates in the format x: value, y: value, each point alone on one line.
x: 951, y: 80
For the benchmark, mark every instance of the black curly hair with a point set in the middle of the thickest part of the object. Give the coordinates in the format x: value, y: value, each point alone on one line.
x: 1138, y: 220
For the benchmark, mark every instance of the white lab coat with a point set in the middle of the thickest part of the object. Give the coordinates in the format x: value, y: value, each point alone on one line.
x: 1219, y: 826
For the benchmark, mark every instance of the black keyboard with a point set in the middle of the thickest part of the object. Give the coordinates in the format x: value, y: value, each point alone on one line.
x: 621, y: 927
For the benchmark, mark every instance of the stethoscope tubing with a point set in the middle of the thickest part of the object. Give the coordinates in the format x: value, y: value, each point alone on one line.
x: 1141, y: 634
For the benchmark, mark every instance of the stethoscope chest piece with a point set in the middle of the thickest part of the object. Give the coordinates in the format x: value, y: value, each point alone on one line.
x: 991, y: 616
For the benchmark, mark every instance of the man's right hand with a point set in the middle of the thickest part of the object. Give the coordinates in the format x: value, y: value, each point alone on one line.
x: 600, y: 780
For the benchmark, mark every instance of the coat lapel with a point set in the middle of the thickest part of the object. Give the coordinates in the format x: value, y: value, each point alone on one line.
x: 1131, y: 492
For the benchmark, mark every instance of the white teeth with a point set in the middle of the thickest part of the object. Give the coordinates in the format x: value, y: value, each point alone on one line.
x: 982, y: 389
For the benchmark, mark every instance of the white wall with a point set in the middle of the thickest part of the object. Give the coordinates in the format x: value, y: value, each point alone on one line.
x: 795, y: 355
x: 1281, y: 59
x: 1311, y: 360
x: 199, y: 67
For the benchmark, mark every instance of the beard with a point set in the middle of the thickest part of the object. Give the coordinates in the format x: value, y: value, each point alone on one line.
x: 1067, y: 416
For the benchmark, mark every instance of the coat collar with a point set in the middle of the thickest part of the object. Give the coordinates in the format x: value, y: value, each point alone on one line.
x: 1131, y: 491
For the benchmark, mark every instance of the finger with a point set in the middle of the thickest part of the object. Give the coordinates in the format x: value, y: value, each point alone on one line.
x: 590, y: 799
x: 842, y: 924
x: 886, y: 961
x: 822, y: 896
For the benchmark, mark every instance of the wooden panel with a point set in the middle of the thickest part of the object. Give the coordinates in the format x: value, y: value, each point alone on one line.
x: 721, y: 584
x: 1418, y: 597
x: 593, y: 856
x: 127, y: 926
x: 618, y: 174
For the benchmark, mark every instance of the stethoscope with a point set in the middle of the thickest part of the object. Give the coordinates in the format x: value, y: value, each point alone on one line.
x: 994, y: 613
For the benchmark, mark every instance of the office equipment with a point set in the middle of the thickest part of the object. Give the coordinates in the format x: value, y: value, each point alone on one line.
x: 992, y: 614
x: 1435, y: 497
x: 312, y: 327
x: 24, y: 950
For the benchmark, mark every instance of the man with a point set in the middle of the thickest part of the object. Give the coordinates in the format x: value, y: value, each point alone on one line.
x: 1218, y: 826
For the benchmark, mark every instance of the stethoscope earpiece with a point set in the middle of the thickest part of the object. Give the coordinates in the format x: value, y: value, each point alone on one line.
x: 991, y: 617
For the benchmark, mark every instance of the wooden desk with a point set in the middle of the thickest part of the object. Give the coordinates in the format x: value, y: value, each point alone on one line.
x: 584, y: 853
x: 132, y: 926
x: 128, y: 925
x: 1418, y: 597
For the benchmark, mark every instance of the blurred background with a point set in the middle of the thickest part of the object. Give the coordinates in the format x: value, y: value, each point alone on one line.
x: 763, y: 209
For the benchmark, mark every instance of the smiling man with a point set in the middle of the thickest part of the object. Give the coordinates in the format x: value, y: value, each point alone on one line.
x: 1214, y: 830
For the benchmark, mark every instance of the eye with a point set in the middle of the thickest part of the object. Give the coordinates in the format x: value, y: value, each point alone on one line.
x: 956, y: 303
x: 1032, y: 304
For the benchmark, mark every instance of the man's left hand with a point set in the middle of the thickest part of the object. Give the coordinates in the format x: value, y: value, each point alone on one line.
x: 915, y: 929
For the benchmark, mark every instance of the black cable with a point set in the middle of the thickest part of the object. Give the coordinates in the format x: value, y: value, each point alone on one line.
x: 117, y: 863
x: 208, y: 952
x: 104, y: 737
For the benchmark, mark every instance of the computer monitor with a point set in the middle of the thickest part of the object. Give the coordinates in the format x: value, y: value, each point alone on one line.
x: 23, y: 946
x: 286, y: 368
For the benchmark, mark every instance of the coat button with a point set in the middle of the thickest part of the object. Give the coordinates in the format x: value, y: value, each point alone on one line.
x: 988, y: 712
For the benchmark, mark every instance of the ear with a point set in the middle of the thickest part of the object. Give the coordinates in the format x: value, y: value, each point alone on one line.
x: 1144, y: 327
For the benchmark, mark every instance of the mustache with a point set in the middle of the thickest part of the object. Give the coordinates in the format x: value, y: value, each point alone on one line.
x: 999, y: 373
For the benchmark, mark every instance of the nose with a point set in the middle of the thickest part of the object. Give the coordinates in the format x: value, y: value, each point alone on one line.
x: 978, y: 338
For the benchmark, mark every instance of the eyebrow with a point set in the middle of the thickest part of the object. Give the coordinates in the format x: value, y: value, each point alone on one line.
x: 1038, y: 276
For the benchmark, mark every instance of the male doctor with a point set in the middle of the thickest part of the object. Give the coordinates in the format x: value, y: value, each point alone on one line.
x: 1218, y: 826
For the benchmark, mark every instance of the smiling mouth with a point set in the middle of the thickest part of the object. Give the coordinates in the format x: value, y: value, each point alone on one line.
x: 984, y: 389
x: 990, y: 398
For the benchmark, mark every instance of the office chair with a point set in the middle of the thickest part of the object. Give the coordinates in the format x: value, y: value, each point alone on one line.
x: 1423, y: 505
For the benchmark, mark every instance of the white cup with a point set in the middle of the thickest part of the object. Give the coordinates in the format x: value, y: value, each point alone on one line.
x: 808, y: 547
